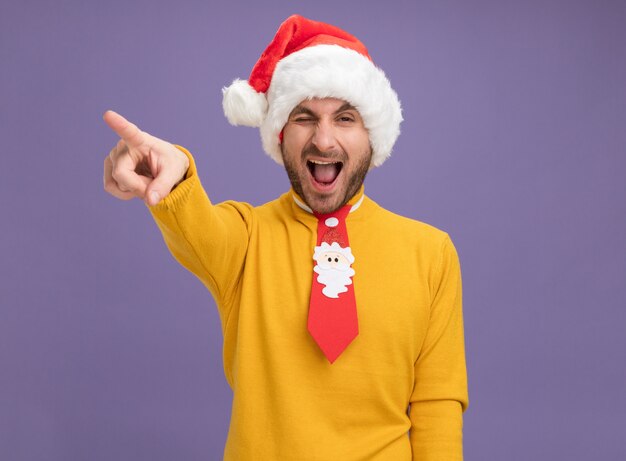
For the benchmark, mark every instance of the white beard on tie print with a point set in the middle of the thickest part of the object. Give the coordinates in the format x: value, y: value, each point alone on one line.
x: 333, y: 268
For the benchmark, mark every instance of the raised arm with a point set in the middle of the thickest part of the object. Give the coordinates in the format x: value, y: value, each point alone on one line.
x: 209, y: 240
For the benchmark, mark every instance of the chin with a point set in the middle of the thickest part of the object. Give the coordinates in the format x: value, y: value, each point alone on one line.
x: 327, y: 203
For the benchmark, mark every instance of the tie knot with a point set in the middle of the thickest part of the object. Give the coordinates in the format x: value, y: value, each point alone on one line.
x: 334, y: 218
x: 331, y: 227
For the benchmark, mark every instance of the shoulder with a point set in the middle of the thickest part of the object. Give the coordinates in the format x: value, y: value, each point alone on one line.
x: 279, y: 210
x: 404, y: 227
x: 269, y: 212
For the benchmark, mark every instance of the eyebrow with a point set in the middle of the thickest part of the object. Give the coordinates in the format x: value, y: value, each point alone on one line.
x: 304, y: 110
x: 346, y: 106
x: 301, y: 110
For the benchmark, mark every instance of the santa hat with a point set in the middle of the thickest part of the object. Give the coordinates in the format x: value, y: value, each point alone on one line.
x: 309, y: 59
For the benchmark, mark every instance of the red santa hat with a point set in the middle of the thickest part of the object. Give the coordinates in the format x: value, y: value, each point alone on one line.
x: 309, y: 59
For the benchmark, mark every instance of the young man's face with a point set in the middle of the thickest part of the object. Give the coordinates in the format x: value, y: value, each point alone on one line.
x: 326, y: 151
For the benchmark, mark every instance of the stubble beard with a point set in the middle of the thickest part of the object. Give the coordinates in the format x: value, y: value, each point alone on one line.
x: 354, y: 182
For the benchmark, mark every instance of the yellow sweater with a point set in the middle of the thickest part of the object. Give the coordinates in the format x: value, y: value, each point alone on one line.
x: 289, y: 403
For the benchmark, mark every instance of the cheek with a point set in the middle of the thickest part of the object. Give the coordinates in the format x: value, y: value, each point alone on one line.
x: 289, y: 155
x: 293, y: 138
x: 359, y: 143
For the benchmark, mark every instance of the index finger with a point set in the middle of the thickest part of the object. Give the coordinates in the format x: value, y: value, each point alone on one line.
x: 129, y: 132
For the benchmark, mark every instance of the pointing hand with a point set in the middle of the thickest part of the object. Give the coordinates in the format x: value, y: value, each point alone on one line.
x: 141, y: 165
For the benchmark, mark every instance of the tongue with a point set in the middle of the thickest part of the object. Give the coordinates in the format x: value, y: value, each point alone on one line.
x: 325, y: 173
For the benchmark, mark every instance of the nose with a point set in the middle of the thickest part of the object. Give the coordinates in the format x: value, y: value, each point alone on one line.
x: 324, y: 137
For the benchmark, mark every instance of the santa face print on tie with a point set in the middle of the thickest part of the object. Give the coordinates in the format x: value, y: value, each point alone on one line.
x: 333, y: 268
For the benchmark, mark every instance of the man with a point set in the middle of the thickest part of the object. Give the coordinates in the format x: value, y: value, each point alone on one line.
x: 342, y: 321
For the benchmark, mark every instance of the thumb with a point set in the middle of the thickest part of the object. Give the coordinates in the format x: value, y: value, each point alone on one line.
x: 162, y: 185
x: 153, y: 196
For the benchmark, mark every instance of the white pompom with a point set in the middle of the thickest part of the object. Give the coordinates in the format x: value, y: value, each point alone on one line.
x: 243, y: 105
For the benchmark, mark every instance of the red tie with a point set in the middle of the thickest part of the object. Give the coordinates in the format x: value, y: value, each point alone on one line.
x: 333, y: 319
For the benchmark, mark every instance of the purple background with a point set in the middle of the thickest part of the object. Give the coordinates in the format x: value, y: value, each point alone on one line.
x: 514, y: 142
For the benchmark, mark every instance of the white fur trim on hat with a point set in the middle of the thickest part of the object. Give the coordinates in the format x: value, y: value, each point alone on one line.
x: 243, y: 105
x: 332, y: 71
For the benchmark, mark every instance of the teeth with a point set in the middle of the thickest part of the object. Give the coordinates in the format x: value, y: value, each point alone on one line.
x: 319, y: 162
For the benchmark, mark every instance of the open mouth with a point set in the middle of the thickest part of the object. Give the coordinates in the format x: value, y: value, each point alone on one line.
x: 323, y: 172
